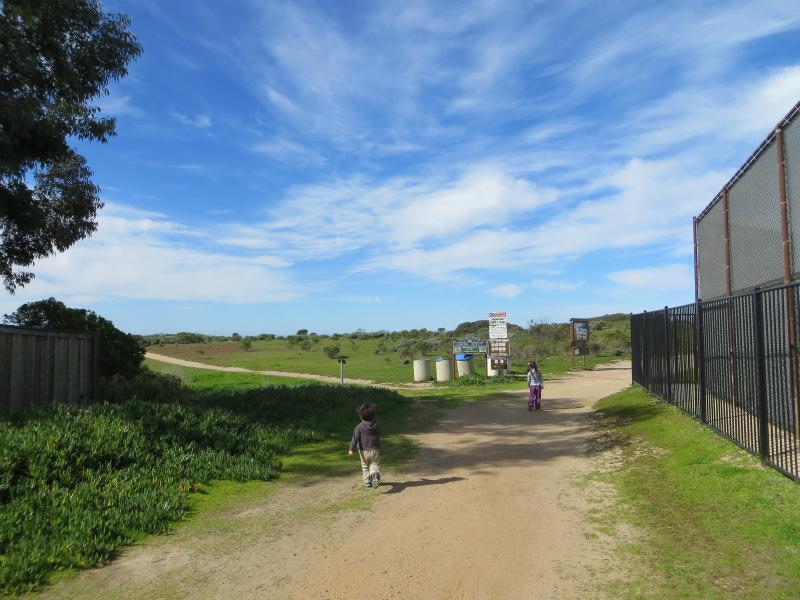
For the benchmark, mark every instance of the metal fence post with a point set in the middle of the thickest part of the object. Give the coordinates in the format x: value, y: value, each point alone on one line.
x: 667, y: 357
x: 699, y: 362
x: 645, y: 358
x: 761, y: 376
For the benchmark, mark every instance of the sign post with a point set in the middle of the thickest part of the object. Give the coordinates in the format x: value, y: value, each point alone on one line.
x: 468, y: 345
x: 579, y: 339
x: 499, y: 346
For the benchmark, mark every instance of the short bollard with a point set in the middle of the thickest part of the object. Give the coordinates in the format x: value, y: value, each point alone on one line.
x: 341, y: 371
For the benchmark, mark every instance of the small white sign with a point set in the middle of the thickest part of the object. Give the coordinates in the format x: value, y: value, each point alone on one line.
x: 498, y: 326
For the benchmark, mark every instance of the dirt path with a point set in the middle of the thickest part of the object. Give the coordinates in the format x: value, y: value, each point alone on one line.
x: 491, y: 509
x: 324, y: 378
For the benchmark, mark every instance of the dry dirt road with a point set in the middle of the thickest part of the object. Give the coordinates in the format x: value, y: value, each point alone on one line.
x: 494, y: 507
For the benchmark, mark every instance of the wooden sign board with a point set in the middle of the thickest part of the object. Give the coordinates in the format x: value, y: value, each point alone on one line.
x: 499, y: 363
x: 499, y: 348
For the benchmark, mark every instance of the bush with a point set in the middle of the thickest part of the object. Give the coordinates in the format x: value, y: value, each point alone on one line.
x: 120, y: 353
x: 190, y: 338
x: 246, y: 344
x: 331, y: 351
x: 86, y: 482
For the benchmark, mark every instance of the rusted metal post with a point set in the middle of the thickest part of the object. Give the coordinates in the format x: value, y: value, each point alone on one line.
x: 728, y: 284
x: 787, y: 275
x: 696, y: 266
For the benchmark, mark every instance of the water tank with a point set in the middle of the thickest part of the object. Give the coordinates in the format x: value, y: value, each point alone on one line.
x: 465, y: 364
x: 444, y: 369
x: 422, y: 370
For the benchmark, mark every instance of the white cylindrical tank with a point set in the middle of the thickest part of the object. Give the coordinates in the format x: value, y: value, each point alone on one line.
x: 466, y: 364
x: 422, y: 370
x: 444, y: 369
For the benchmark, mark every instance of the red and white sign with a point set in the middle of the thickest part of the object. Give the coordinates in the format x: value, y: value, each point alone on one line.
x: 498, y: 326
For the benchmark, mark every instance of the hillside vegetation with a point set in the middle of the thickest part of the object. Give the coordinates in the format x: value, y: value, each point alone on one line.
x: 383, y: 356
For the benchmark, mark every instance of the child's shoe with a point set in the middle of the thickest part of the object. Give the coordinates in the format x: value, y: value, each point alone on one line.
x: 368, y: 484
x: 376, y: 479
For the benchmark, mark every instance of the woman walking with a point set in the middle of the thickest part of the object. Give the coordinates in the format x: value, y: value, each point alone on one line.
x: 535, y: 383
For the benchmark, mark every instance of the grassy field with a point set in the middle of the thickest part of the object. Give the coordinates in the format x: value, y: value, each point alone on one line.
x: 362, y: 361
x: 712, y: 522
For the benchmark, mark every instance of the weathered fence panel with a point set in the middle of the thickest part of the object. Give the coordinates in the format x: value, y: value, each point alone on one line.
x: 41, y: 366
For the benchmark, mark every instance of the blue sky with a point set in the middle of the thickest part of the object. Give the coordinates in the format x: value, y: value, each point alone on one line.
x: 336, y: 165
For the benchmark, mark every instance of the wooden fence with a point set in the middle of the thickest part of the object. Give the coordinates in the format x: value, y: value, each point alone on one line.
x: 41, y: 366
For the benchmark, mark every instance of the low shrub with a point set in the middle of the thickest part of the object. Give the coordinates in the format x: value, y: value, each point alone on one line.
x: 76, y: 484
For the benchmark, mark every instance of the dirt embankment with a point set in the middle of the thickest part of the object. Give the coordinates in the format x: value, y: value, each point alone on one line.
x: 490, y: 509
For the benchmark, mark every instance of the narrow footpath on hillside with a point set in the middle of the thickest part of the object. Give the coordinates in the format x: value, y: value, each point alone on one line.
x: 494, y: 507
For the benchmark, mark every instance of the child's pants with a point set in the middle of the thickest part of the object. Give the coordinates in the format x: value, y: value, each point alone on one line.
x: 370, y: 463
x: 535, y: 399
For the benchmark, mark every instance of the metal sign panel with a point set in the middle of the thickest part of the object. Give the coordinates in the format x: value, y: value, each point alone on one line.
x: 470, y: 345
x: 498, y: 325
x: 499, y: 348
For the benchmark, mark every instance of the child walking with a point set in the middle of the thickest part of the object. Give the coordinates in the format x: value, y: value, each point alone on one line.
x: 367, y: 438
x: 535, y: 383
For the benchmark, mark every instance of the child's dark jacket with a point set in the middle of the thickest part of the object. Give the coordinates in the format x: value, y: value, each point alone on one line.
x: 367, y: 436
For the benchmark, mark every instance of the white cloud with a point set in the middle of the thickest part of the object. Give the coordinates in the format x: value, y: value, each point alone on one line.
x: 549, y: 285
x: 198, y: 121
x: 510, y: 291
x: 144, y: 258
x: 662, y: 279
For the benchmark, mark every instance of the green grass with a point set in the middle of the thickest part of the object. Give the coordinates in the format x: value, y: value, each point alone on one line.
x: 361, y: 360
x: 204, y: 380
x: 77, y: 484
x: 712, y: 522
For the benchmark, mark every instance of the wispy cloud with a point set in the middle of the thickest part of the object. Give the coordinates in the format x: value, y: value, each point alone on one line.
x: 197, y: 121
x: 549, y: 285
x: 664, y: 278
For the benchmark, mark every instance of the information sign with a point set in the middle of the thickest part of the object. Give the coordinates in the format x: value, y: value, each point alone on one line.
x: 498, y: 325
x: 579, y: 339
x: 499, y: 348
x: 470, y: 345
x: 499, y: 363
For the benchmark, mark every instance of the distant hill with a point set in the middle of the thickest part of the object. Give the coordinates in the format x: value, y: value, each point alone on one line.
x: 478, y: 327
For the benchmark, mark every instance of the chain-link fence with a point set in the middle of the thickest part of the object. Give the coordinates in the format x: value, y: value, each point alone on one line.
x: 746, y: 237
x: 731, y: 364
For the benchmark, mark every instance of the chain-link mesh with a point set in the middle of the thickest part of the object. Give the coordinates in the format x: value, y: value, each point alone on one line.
x: 791, y: 156
x: 754, y: 225
x: 711, y: 253
x: 754, y: 222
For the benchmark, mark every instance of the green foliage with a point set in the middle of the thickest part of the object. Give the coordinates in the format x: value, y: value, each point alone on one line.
x: 714, y: 524
x: 120, y: 353
x: 246, y: 344
x: 236, y: 337
x: 190, y: 338
x: 57, y: 56
x: 76, y: 485
x: 306, y: 345
x: 481, y: 381
x: 331, y: 351
x: 302, y: 332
